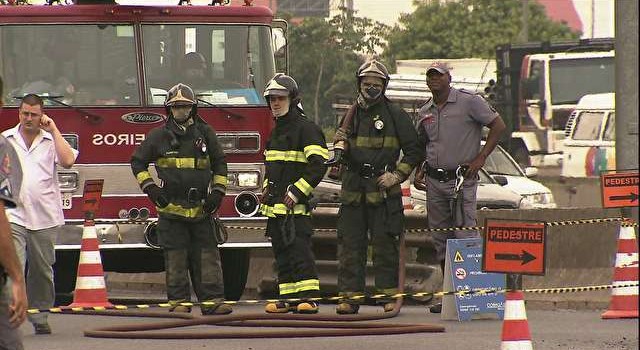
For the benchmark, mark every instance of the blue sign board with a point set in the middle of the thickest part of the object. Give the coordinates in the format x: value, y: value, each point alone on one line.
x: 465, y: 266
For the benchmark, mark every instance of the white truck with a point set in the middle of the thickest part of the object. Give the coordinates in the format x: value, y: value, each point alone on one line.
x: 589, y: 146
x: 539, y: 85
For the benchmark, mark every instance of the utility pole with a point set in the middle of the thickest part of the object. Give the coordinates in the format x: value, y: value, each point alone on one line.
x: 524, y: 33
x: 626, y: 34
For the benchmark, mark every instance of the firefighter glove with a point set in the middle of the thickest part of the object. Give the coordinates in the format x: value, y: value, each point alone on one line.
x: 156, y: 195
x: 290, y: 199
x: 212, y: 203
x: 388, y: 180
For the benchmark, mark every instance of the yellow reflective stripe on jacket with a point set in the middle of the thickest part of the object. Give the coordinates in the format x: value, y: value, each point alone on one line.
x: 265, y: 183
x: 176, y: 209
x: 303, y: 186
x: 318, y: 150
x: 287, y: 288
x: 281, y: 209
x: 374, y: 142
x: 310, y: 284
x: 142, y: 176
x: 287, y: 156
x: 220, y: 180
x: 183, y: 163
x: 404, y: 168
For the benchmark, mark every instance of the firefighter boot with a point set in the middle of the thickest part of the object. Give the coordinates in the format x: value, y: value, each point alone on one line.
x: 307, y: 307
x: 180, y: 308
x: 278, y: 307
x: 347, y: 309
x: 388, y: 307
x: 217, y: 309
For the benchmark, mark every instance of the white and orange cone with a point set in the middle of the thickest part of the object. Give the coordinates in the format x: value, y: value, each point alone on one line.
x: 406, y: 195
x: 91, y: 289
x: 515, y: 328
x: 624, y: 300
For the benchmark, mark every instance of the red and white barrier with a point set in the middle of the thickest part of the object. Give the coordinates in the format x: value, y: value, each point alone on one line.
x: 624, y: 300
x: 91, y: 289
x: 515, y: 328
x: 406, y: 195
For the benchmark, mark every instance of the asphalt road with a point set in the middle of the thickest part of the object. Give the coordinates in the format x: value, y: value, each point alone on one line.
x: 550, y: 330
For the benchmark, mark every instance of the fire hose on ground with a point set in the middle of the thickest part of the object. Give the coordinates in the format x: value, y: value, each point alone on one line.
x: 322, y: 325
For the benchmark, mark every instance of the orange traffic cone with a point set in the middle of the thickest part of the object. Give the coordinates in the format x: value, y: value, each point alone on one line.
x: 624, y: 300
x: 406, y: 195
x: 515, y: 328
x: 91, y: 288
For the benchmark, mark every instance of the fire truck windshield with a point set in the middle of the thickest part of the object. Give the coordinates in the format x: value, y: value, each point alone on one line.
x: 224, y: 64
x: 82, y: 64
x: 97, y: 64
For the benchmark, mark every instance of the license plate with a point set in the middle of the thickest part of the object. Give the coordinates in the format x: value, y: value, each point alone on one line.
x: 66, y: 200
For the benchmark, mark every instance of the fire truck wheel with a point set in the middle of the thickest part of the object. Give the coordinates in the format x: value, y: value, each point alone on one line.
x: 64, y: 275
x: 235, y: 268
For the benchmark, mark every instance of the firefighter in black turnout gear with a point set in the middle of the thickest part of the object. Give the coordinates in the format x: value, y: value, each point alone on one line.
x: 294, y: 161
x: 193, y: 174
x: 371, y: 198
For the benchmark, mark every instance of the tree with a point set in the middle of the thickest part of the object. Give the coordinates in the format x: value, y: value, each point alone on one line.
x: 326, y: 57
x: 468, y: 28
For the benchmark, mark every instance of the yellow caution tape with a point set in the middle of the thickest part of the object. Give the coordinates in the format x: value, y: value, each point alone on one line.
x: 485, y: 291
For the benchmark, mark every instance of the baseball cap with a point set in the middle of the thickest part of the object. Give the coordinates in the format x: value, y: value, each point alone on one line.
x: 441, y: 67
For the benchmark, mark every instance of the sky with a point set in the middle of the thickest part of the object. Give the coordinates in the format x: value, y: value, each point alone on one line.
x: 597, y: 16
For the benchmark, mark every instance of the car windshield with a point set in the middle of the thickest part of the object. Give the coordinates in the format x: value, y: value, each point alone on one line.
x: 588, y: 125
x: 92, y: 64
x: 500, y: 163
x: 224, y: 64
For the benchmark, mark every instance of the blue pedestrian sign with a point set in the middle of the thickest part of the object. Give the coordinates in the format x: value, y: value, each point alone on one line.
x: 463, y: 272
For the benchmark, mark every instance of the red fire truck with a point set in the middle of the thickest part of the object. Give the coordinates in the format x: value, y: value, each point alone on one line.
x: 104, y: 70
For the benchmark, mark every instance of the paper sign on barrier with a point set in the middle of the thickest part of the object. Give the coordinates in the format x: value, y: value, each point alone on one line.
x: 463, y: 272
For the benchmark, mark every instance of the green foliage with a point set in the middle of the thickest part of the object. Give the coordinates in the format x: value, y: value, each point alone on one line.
x: 468, y: 28
x: 325, y: 57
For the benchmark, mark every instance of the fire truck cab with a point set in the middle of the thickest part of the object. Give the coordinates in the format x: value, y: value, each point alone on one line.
x: 103, y: 71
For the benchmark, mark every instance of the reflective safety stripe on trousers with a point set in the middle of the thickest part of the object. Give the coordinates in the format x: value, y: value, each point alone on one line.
x: 371, y: 197
x: 281, y: 209
x: 300, y: 286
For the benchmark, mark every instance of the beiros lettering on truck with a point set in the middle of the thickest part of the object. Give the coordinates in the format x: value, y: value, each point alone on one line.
x: 104, y: 71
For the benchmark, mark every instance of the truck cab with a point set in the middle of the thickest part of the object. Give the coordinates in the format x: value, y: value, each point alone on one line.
x: 538, y: 87
x: 589, y: 146
x: 103, y: 71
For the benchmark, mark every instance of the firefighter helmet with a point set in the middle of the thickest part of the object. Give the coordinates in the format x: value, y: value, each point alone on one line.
x: 373, y: 68
x: 181, y: 95
x: 282, y: 85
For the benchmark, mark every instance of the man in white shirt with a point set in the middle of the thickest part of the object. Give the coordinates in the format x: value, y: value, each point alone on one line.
x: 40, y: 147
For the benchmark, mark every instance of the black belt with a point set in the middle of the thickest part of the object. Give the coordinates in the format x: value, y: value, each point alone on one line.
x: 366, y: 170
x: 440, y: 174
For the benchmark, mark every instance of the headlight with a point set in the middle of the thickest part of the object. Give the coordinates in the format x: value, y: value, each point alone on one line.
x: 243, y: 179
x: 526, y: 203
x: 68, y: 181
x: 540, y: 198
x: 248, y: 179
